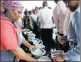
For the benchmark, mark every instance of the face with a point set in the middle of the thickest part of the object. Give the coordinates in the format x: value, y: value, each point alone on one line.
x: 15, y: 14
x: 73, y: 4
x: 37, y: 10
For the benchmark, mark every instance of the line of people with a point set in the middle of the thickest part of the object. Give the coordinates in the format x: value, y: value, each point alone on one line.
x: 66, y: 17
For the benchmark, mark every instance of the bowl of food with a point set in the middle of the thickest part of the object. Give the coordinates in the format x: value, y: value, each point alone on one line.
x: 57, y: 52
x: 31, y: 36
x: 40, y: 46
x: 44, y: 58
x: 37, y: 53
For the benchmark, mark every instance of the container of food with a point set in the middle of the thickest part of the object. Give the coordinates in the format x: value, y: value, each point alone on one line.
x: 37, y: 53
x: 31, y: 36
x: 44, y: 58
x: 57, y: 52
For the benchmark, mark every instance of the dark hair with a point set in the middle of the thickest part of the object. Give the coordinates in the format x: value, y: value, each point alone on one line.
x: 36, y: 8
x: 45, y: 3
x: 40, y: 8
x: 30, y: 12
x: 56, y: 1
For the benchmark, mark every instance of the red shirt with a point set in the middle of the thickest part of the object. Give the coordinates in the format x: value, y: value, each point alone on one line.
x: 9, y: 39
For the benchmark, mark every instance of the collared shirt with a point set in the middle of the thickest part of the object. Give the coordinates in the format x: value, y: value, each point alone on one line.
x: 59, y: 14
x: 74, y: 36
x: 46, y: 18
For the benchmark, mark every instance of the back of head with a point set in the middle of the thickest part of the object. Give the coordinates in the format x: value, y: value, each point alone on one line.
x: 56, y: 1
x: 59, y: 0
x: 45, y: 3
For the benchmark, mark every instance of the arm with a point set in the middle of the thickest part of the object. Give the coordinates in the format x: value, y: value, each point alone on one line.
x: 66, y: 22
x: 28, y: 44
x: 55, y: 17
x: 24, y: 42
x: 19, y: 53
x: 75, y: 52
x: 10, y: 42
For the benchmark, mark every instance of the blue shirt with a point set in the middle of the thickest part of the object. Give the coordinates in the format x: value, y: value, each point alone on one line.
x: 74, y: 37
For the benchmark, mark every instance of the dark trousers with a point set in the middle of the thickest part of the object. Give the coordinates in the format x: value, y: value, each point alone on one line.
x: 46, y: 36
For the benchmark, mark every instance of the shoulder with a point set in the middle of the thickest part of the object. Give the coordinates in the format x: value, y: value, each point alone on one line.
x: 5, y: 22
x: 77, y: 13
x: 77, y: 10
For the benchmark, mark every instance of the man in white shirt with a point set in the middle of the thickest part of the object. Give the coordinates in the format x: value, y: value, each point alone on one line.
x: 46, y: 23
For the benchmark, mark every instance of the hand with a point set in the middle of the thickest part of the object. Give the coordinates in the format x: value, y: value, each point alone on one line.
x: 29, y: 54
x: 31, y: 47
x: 59, y: 58
x: 61, y: 39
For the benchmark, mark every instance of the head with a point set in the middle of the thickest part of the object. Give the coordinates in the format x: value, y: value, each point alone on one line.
x: 45, y: 4
x: 26, y: 12
x: 13, y: 9
x: 73, y: 4
x: 30, y: 12
x: 56, y: 1
x: 36, y: 9
x: 34, y: 12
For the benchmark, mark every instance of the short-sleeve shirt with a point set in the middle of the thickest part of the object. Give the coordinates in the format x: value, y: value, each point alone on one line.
x: 9, y: 39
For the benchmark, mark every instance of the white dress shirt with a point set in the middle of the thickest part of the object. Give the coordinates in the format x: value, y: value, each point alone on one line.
x: 46, y: 18
x: 59, y: 14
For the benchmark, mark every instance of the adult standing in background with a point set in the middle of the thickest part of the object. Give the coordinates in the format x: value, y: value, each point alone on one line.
x: 34, y: 17
x: 46, y: 26
x: 26, y: 20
